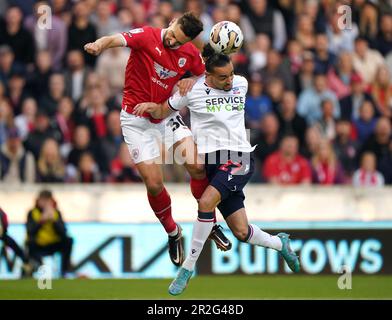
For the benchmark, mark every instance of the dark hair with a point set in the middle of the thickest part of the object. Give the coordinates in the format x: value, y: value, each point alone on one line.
x: 45, y: 194
x: 213, y: 59
x: 190, y: 25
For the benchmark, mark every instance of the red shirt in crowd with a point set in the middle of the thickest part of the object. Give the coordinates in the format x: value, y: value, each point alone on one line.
x: 153, y: 70
x: 294, y: 172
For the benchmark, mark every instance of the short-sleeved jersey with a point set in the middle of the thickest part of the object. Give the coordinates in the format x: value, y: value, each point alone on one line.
x: 152, y: 69
x: 217, y: 116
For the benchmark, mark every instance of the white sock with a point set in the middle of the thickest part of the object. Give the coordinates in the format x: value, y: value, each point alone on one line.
x: 174, y: 232
x: 201, y: 230
x: 259, y: 237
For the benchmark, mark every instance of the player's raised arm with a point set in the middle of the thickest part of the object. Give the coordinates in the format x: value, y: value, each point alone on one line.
x: 106, y: 42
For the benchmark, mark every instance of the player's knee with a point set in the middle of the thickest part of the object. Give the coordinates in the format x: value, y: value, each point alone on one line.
x: 154, y: 187
x: 241, y: 234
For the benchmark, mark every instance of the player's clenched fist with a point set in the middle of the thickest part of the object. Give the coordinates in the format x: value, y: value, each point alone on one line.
x: 93, y: 48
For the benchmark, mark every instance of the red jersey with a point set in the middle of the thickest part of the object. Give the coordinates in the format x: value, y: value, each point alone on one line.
x: 153, y: 70
x: 292, y: 172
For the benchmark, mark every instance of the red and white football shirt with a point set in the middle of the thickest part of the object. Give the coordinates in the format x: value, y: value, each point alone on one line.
x: 153, y: 70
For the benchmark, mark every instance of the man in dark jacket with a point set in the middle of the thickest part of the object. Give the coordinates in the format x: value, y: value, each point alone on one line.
x: 47, y: 233
x: 11, y: 243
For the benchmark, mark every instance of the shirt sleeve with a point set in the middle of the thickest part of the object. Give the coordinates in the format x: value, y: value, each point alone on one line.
x: 135, y: 38
x: 176, y: 101
x: 198, y: 66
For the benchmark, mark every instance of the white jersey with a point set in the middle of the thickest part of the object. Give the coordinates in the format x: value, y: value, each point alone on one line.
x: 217, y: 116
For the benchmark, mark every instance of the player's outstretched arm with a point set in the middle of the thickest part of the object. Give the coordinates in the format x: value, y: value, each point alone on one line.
x: 157, y: 111
x: 106, y: 42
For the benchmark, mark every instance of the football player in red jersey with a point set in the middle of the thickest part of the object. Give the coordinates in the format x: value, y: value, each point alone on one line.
x: 158, y: 60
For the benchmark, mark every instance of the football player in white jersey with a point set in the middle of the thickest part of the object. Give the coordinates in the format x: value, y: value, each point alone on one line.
x: 216, y: 103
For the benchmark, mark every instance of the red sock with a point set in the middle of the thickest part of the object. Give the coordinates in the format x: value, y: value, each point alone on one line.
x: 161, y: 205
x: 198, y: 187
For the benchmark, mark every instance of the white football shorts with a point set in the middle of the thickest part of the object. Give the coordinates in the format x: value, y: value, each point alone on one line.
x: 144, y: 138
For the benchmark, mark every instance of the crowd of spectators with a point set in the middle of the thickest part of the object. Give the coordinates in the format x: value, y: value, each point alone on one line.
x: 319, y: 104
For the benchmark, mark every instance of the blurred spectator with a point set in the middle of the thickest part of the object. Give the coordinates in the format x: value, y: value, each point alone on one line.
x: 257, y: 104
x: 305, y: 77
x: 366, y: 61
x: 199, y: 9
x: 8, y: 65
x: 25, y: 121
x: 294, y: 56
x: 275, y: 69
x: 340, y: 39
x: 82, y: 143
x: 305, y: 32
x: 103, y: 19
x: 324, y: 58
x: 25, y: 5
x: 275, y: 90
x: 379, y: 141
x: 381, y: 89
x: 53, y: 38
x: 38, y: 80
x: 350, y: 104
x: 286, y: 166
x: 6, y: 120
x: 367, y: 175
x: 16, y: 164
x: 258, y: 52
x: 235, y: 15
x: 47, y: 232
x: 346, y: 149
x: 17, y: 92
x: 309, y: 102
x: 312, y: 140
x: 42, y: 130
x: 385, y: 165
x: 65, y: 124
x: 366, y: 123
x: 139, y: 15
x: 88, y: 171
x: 62, y: 10
x: 384, y: 38
x: 111, y: 64
x: 268, y: 138
x: 290, y: 122
x: 166, y: 10
x: 327, y: 123
x: 158, y: 21
x: 326, y: 169
x: 122, y: 168
x: 16, y: 36
x: 125, y: 19
x: 76, y: 74
x: 50, y: 165
x: 82, y: 31
x: 49, y: 102
x: 112, y: 142
x: 265, y: 19
x: 366, y: 16
x: 339, y: 77
x: 95, y: 114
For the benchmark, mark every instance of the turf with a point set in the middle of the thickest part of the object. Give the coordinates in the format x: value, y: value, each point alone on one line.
x: 205, y: 287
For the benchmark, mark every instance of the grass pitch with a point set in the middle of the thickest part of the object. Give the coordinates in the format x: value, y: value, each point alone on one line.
x: 205, y: 287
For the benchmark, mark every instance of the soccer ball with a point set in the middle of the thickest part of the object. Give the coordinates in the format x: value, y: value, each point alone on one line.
x: 226, y: 37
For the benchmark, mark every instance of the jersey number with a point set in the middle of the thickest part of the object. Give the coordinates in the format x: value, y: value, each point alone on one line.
x: 176, y: 124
